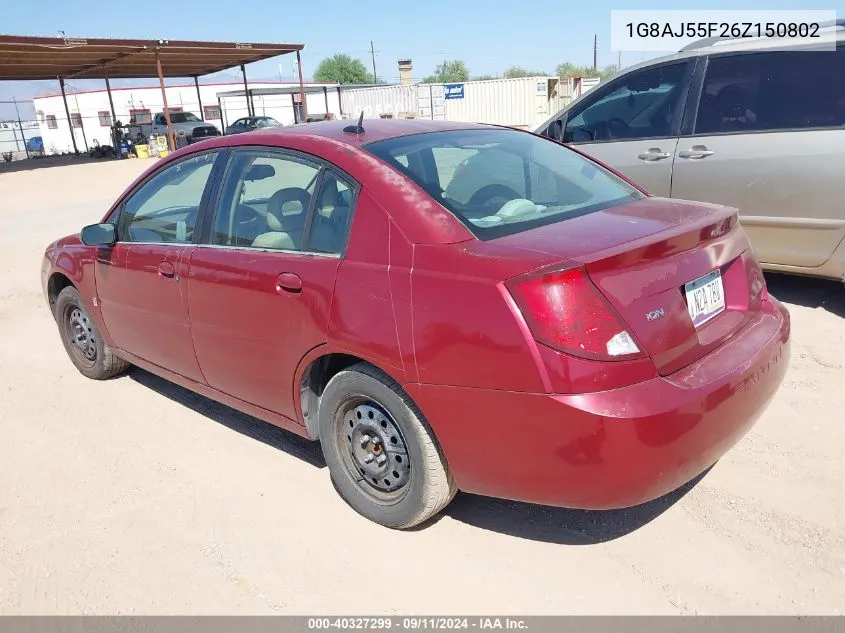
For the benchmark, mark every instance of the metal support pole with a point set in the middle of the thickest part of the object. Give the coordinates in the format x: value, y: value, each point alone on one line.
x: 301, y: 89
x: 67, y: 114
x: 199, y: 98
x: 222, y: 116
x: 115, y: 139
x: 293, y: 105
x: 246, y: 92
x: 339, y: 101
x: 20, y: 125
x: 170, y: 136
x: 326, y: 99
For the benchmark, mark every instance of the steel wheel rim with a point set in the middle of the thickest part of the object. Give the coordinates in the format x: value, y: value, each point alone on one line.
x: 373, y: 449
x: 80, y: 331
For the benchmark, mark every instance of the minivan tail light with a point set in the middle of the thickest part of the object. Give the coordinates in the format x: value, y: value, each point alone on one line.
x: 566, y: 311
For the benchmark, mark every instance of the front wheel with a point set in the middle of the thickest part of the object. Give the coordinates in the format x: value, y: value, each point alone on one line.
x: 380, y: 451
x: 83, y: 343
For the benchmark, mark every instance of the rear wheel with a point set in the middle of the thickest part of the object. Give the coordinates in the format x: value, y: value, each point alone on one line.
x: 82, y: 341
x: 381, y: 453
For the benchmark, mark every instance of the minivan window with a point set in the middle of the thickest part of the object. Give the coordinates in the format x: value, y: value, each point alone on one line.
x: 499, y: 182
x: 643, y: 105
x: 775, y: 90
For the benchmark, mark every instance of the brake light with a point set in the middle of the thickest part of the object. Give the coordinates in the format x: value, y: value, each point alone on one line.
x: 757, y: 282
x: 566, y: 311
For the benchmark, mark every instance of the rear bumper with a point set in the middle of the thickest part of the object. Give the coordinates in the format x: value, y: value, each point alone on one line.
x: 614, y: 448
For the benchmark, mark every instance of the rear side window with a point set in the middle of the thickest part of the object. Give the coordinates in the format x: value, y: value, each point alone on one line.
x: 499, y: 182
x: 777, y: 90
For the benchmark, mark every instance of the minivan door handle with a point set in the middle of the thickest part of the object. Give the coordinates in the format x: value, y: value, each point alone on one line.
x: 696, y: 151
x: 288, y: 282
x: 653, y: 154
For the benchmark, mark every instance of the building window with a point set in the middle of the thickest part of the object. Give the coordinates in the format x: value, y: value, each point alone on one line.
x: 76, y: 119
x: 51, y: 122
x: 140, y: 116
x: 105, y: 118
x: 212, y: 113
x: 174, y: 108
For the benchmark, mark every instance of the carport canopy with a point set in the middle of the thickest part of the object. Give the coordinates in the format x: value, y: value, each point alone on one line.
x: 39, y: 58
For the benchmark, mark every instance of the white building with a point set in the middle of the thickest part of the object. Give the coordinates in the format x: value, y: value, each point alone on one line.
x: 91, y: 120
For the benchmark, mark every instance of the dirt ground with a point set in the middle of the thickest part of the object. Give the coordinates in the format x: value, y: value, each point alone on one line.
x: 135, y: 496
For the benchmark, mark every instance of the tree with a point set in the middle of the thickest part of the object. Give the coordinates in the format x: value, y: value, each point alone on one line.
x: 342, y: 69
x: 482, y: 78
x: 567, y: 69
x: 453, y: 71
x: 515, y: 71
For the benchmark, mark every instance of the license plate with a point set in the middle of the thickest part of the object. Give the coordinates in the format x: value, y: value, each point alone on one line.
x: 705, y: 298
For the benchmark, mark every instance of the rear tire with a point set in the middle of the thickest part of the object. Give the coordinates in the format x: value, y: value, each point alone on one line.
x: 380, y: 451
x: 83, y: 342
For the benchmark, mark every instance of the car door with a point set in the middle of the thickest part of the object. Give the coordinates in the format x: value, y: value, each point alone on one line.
x: 260, y: 289
x: 766, y: 135
x: 141, y: 278
x: 631, y: 123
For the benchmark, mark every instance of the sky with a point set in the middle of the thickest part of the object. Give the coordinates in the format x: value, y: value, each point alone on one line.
x: 488, y: 36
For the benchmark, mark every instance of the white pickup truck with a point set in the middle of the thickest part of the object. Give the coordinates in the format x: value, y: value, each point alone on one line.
x: 185, y: 124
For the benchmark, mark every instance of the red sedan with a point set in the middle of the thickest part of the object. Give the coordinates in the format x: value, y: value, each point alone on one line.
x: 443, y: 306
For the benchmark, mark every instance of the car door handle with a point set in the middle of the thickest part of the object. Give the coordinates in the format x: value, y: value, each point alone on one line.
x: 166, y: 269
x: 653, y: 154
x: 696, y: 151
x: 288, y: 282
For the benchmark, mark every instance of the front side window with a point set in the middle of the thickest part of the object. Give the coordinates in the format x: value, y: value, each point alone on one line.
x: 643, y: 105
x: 499, y: 182
x: 772, y: 91
x: 165, y: 208
x: 265, y: 201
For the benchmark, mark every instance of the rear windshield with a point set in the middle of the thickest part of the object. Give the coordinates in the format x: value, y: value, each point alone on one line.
x: 500, y: 182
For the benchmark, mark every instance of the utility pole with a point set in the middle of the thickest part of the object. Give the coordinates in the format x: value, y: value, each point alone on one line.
x: 595, y: 51
x: 373, y: 53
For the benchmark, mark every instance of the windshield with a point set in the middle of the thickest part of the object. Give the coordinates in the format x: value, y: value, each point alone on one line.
x: 183, y: 117
x: 500, y: 182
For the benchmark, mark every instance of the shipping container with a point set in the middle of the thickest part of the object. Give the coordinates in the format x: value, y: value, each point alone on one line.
x: 521, y: 102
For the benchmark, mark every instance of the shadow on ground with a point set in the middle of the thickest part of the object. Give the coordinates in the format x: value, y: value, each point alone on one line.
x: 49, y: 161
x: 524, y: 520
x: 561, y: 525
x: 254, y: 428
x: 808, y: 291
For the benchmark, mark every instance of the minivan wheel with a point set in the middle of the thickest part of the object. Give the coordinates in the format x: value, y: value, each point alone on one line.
x: 82, y: 341
x: 380, y: 451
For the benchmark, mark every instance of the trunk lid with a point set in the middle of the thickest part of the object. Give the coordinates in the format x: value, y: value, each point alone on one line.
x: 642, y: 255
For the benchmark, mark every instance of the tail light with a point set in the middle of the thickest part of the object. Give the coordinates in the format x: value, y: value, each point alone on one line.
x: 566, y: 311
x: 757, y: 282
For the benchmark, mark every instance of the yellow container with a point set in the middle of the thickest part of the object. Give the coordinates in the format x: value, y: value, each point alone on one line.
x: 143, y: 151
x: 163, y: 152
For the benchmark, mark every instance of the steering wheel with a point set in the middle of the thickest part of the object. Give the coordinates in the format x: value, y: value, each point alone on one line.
x: 488, y: 193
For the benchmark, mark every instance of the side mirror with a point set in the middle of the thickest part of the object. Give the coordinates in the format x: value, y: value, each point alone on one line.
x: 555, y: 130
x: 99, y: 235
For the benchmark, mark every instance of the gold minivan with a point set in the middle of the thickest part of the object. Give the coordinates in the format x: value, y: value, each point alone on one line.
x: 758, y: 125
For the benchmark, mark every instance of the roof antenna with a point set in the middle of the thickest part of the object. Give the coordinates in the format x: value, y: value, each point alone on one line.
x: 356, y: 129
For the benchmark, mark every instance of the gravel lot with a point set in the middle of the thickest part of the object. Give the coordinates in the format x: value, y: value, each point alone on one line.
x: 136, y: 496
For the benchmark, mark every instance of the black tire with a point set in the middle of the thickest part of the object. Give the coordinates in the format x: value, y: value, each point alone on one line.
x: 92, y: 357
x: 427, y: 485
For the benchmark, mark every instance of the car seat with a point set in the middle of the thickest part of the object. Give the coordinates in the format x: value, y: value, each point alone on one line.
x: 286, y: 222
